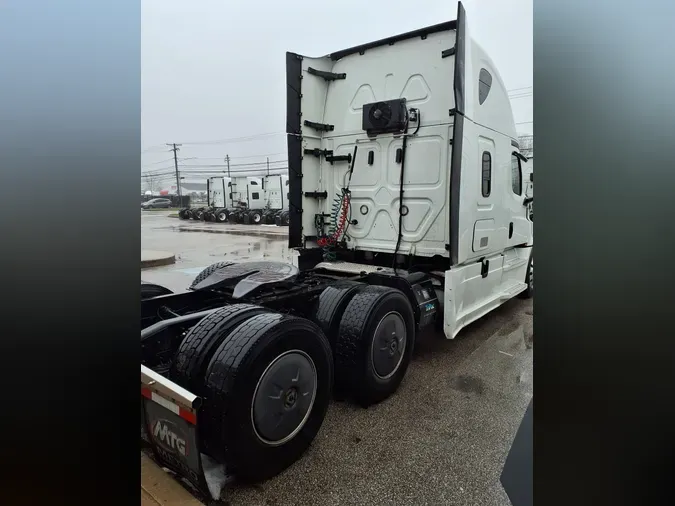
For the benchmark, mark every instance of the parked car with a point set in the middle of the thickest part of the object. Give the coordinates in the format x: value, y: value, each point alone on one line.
x: 156, y: 204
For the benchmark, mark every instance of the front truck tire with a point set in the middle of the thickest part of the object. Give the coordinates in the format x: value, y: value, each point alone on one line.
x: 197, y: 348
x: 529, y: 279
x: 267, y: 391
x: 374, y: 344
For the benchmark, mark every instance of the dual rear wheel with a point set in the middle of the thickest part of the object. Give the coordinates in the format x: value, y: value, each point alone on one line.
x: 266, y: 378
x: 372, y: 334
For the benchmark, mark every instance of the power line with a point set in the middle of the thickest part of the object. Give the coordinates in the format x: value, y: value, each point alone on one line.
x: 162, y: 161
x: 238, y: 157
x: 159, y: 170
x: 154, y: 148
x: 207, y: 166
x: 234, y: 139
x: 170, y: 175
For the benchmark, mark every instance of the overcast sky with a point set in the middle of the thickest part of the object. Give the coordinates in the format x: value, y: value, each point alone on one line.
x: 214, y: 70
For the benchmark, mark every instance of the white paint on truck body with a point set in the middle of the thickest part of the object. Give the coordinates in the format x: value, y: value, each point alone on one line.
x: 275, y: 192
x: 474, y: 216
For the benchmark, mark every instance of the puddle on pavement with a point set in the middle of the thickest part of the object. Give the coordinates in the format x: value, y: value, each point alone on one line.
x: 255, y: 250
x: 516, y: 337
x: 271, y: 234
x: 468, y: 384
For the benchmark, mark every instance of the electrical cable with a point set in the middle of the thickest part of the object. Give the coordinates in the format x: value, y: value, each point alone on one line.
x: 400, y: 197
x: 340, y: 216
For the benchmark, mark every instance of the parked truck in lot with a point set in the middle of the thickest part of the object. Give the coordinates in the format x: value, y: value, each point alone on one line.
x: 407, y: 211
x: 249, y: 200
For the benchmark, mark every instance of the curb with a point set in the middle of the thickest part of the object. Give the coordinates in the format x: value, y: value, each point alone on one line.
x: 156, y: 258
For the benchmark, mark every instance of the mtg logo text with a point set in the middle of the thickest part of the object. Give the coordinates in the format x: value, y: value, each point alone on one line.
x: 167, y: 434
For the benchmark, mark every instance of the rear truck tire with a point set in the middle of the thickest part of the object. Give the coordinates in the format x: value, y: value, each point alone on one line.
x: 268, y: 388
x: 197, y: 348
x: 207, y: 216
x: 150, y: 290
x: 331, y: 306
x: 221, y: 215
x: 255, y: 217
x: 199, y: 214
x: 528, y: 293
x: 207, y: 272
x: 285, y: 219
x: 374, y: 344
x: 182, y: 214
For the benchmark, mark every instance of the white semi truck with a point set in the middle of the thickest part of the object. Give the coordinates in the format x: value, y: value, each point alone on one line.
x: 250, y: 200
x: 407, y: 210
x: 219, y: 202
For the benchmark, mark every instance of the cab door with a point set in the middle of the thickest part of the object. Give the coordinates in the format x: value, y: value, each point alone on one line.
x: 520, y: 226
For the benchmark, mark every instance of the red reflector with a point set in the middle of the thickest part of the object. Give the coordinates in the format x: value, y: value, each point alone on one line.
x: 145, y: 392
x: 188, y: 415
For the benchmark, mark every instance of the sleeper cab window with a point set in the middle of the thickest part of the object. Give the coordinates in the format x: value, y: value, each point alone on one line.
x: 484, y: 85
x: 516, y: 176
x: 486, y: 177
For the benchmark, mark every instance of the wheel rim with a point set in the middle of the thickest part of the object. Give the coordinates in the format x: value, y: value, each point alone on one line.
x: 284, y: 397
x: 256, y: 218
x: 389, y: 344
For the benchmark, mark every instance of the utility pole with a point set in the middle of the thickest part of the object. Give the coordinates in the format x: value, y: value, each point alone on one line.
x: 175, y: 161
x: 268, y: 165
x: 227, y: 160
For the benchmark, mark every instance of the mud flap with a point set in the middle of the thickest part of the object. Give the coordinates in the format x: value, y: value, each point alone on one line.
x: 174, y: 442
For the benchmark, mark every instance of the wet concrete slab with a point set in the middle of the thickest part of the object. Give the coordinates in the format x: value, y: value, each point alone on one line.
x: 197, y: 245
x: 441, y: 439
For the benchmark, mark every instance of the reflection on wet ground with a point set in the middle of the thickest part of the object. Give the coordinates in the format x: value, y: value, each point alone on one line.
x: 205, y: 245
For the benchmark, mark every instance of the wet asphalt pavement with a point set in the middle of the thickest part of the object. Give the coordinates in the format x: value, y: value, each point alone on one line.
x: 441, y: 439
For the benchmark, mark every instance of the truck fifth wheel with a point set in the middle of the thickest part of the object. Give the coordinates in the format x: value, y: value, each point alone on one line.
x: 406, y: 210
